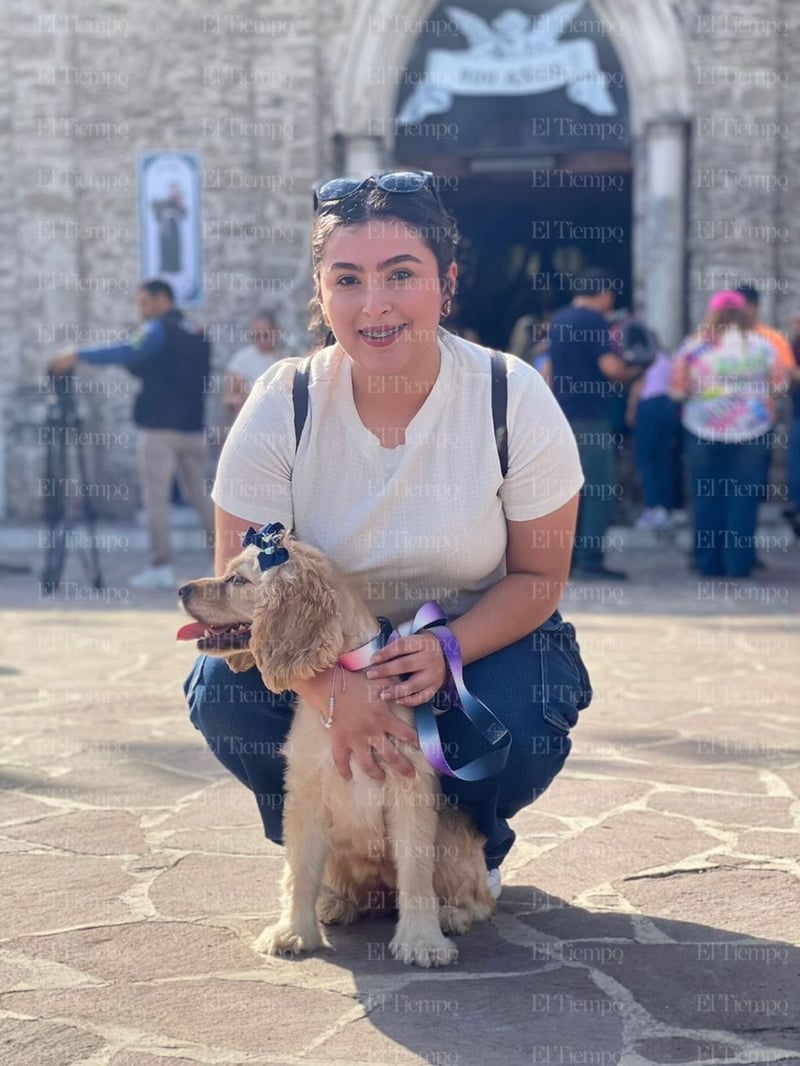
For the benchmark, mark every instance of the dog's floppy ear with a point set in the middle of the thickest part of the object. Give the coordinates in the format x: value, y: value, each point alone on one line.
x: 297, y: 627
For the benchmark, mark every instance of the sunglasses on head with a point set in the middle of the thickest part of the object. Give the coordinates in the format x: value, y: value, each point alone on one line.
x: 396, y: 181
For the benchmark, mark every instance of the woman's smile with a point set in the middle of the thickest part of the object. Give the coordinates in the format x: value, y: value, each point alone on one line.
x: 381, y: 336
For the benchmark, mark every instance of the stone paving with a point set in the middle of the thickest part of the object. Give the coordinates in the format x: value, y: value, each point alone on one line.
x: 650, y: 907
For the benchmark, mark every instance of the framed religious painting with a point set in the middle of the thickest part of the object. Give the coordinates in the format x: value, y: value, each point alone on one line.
x: 170, y: 222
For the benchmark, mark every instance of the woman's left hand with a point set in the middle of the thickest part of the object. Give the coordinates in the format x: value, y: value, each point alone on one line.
x: 421, y: 656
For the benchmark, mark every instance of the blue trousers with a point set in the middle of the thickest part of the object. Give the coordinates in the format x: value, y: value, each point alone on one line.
x: 598, y: 454
x: 793, y: 463
x: 727, y: 483
x: 535, y: 687
x: 655, y: 446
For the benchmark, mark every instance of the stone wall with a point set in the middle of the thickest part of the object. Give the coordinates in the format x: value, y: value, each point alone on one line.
x: 743, y: 196
x: 87, y: 94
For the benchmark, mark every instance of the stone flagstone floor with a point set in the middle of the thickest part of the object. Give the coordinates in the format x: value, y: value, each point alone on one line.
x: 651, y: 908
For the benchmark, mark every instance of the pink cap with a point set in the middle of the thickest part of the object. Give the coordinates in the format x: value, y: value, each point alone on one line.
x: 727, y: 300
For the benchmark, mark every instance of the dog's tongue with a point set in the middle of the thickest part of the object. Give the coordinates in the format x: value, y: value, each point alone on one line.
x: 191, y: 631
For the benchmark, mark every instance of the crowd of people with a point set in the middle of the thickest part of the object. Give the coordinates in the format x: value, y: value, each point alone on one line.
x: 172, y: 359
x: 703, y: 420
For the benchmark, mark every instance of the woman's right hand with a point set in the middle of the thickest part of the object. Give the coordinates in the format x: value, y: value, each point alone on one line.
x: 364, y: 726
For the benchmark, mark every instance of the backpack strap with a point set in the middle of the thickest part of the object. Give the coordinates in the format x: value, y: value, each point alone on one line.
x: 499, y: 404
x: 300, y: 398
x: 500, y: 408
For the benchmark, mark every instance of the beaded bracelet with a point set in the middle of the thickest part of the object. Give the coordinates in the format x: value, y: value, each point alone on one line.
x: 328, y: 722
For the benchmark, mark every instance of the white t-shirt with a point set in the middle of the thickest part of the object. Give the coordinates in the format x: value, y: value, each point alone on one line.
x: 249, y: 363
x: 425, y: 520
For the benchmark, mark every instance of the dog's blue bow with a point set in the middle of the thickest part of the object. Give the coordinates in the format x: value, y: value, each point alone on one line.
x: 268, y: 539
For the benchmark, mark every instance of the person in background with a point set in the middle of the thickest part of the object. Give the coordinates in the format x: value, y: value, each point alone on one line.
x: 530, y: 342
x: 543, y: 363
x: 523, y: 338
x: 173, y: 361
x: 655, y: 418
x: 792, y: 510
x: 586, y: 375
x: 727, y: 376
x: 774, y: 336
x: 782, y: 347
x: 249, y: 363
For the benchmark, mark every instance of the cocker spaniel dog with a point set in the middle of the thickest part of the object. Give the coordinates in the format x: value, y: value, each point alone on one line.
x: 347, y: 842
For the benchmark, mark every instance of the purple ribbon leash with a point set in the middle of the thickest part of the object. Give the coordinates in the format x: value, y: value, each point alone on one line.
x: 431, y: 617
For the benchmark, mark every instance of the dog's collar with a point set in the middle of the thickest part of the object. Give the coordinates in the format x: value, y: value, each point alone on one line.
x: 359, y: 658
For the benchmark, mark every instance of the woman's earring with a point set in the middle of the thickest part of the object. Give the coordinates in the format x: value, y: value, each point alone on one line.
x: 447, y: 306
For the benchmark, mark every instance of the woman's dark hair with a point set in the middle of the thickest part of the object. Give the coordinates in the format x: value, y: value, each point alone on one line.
x: 592, y: 281
x: 750, y: 293
x: 421, y: 211
x: 157, y: 287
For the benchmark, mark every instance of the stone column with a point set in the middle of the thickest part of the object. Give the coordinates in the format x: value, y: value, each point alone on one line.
x: 664, y: 217
x: 363, y: 155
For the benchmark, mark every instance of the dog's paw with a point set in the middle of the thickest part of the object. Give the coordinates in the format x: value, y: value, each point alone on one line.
x: 425, y: 949
x: 335, y: 910
x: 283, y: 939
x: 455, y: 919
x: 459, y: 919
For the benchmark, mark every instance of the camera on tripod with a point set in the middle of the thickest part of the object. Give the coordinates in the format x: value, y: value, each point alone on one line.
x: 67, y: 497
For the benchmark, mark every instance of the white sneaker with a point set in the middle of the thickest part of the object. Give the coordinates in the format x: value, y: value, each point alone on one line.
x: 654, y: 518
x: 494, y: 882
x: 153, y: 577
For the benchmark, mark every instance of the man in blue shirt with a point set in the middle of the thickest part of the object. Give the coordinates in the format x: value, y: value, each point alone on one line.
x: 173, y: 362
x: 586, y: 376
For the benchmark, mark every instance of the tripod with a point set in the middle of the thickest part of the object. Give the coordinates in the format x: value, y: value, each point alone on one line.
x: 65, y: 454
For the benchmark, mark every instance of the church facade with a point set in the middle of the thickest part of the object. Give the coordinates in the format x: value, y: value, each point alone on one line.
x: 655, y: 139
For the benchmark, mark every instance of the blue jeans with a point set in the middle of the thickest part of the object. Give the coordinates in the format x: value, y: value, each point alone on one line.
x: 598, y: 454
x: 793, y: 464
x: 655, y: 446
x: 727, y: 483
x: 535, y: 687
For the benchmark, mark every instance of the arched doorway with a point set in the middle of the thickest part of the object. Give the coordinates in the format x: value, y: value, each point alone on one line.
x: 648, y: 170
x: 523, y: 113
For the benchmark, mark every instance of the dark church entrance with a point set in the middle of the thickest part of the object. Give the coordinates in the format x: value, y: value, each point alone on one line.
x: 523, y: 244
x: 523, y: 115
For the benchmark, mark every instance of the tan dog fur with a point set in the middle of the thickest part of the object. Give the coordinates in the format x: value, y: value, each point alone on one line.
x: 346, y: 841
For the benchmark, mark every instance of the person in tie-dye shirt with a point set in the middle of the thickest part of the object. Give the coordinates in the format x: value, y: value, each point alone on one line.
x: 728, y: 376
